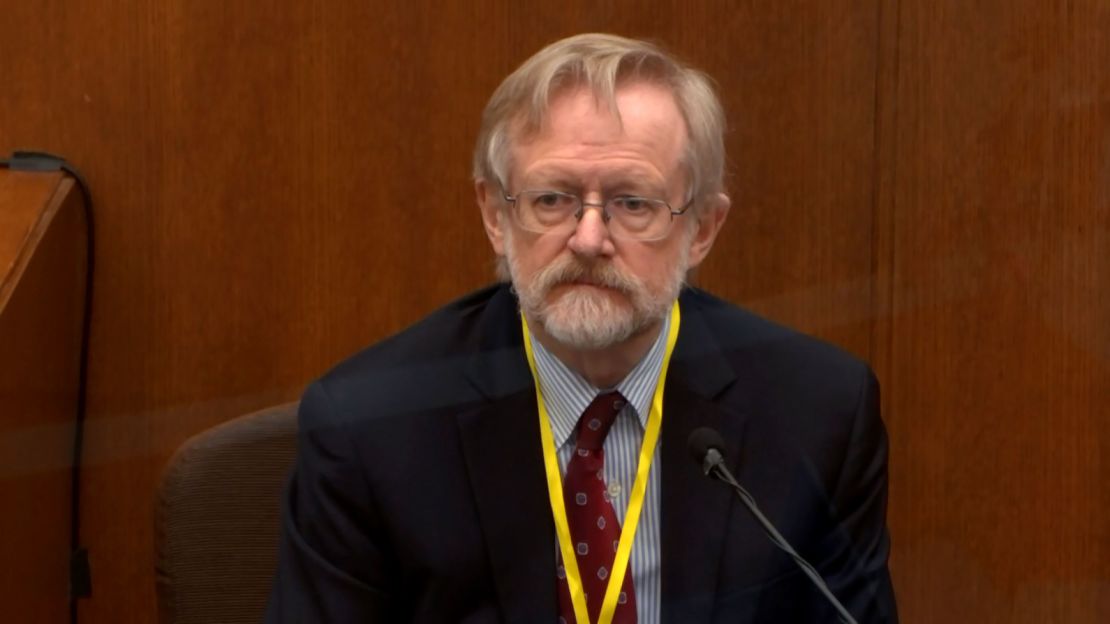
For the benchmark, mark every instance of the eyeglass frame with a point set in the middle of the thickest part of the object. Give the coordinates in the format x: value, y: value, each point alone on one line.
x: 512, y: 199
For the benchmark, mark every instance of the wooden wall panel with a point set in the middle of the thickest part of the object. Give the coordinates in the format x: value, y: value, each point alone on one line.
x: 279, y: 184
x: 798, y: 81
x: 995, y: 330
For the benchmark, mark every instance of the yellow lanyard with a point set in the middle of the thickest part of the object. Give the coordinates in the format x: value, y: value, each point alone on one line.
x: 636, y: 500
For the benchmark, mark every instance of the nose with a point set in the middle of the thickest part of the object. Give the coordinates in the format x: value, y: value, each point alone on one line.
x: 591, y: 236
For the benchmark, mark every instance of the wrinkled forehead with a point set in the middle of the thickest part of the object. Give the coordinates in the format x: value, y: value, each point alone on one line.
x: 640, y: 119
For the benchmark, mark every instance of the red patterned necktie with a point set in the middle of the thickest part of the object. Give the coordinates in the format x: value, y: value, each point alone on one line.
x: 594, y: 530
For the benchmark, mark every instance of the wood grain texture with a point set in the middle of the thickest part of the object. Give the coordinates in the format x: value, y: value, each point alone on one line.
x: 279, y: 185
x: 40, y: 349
x: 925, y: 183
x: 996, y: 213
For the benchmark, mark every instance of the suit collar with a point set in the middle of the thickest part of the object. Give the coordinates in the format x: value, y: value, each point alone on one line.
x: 698, y: 361
x: 498, y: 367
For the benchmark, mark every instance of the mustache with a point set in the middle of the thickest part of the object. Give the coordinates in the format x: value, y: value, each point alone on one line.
x: 569, y: 269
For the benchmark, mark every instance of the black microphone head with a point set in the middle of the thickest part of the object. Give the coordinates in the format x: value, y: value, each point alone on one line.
x: 701, y: 440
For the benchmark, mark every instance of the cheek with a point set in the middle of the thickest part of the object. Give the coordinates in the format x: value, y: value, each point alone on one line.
x: 652, y: 265
x: 656, y: 267
x: 533, y: 252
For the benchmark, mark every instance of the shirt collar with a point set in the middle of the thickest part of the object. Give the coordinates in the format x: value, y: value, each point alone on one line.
x: 566, y: 394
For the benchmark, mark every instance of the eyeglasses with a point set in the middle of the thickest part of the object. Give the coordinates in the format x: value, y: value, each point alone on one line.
x: 627, y: 216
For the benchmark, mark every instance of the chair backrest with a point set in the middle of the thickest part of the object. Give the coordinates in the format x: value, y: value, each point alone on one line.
x: 217, y: 519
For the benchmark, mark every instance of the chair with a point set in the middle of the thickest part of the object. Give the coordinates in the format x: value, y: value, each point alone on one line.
x: 217, y: 519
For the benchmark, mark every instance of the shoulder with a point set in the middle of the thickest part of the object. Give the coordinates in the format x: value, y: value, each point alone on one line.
x: 738, y: 329
x: 420, y: 368
x: 773, y: 356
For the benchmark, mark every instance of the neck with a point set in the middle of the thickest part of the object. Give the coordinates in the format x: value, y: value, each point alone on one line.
x: 604, y: 368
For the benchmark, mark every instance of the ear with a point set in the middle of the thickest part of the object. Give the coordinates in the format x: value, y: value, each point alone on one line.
x: 490, y: 202
x: 709, y: 221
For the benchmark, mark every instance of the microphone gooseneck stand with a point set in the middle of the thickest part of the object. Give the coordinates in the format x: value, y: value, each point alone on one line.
x: 705, y: 445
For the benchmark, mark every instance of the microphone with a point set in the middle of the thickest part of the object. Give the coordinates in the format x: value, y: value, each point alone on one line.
x: 707, y: 447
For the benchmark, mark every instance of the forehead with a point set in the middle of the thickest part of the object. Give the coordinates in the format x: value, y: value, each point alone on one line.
x: 583, y: 136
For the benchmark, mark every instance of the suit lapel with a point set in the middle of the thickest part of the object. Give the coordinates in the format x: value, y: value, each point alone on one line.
x: 505, y: 465
x: 501, y: 444
x: 695, y: 509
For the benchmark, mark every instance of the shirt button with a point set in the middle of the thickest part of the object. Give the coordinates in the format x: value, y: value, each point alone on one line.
x: 614, y: 489
x: 618, y: 405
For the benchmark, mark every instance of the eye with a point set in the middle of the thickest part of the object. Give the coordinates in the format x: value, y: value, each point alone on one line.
x: 549, y: 199
x: 632, y: 204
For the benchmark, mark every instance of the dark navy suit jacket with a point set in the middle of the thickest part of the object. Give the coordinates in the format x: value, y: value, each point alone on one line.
x: 419, y: 494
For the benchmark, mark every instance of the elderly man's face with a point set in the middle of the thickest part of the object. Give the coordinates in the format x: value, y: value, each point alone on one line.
x: 587, y: 289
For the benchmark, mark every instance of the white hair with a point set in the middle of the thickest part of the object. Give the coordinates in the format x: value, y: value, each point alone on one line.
x: 603, y: 62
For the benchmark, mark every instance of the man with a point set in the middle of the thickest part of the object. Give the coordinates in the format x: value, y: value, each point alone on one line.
x: 520, y: 455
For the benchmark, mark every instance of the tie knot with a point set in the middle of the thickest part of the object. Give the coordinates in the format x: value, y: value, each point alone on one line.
x: 597, y: 419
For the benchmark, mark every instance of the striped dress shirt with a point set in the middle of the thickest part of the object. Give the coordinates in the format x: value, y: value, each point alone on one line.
x: 566, y: 394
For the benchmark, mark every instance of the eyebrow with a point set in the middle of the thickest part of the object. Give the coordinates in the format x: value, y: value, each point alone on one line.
x: 562, y: 179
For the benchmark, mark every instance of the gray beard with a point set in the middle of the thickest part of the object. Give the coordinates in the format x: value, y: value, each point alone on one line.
x: 584, y: 318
